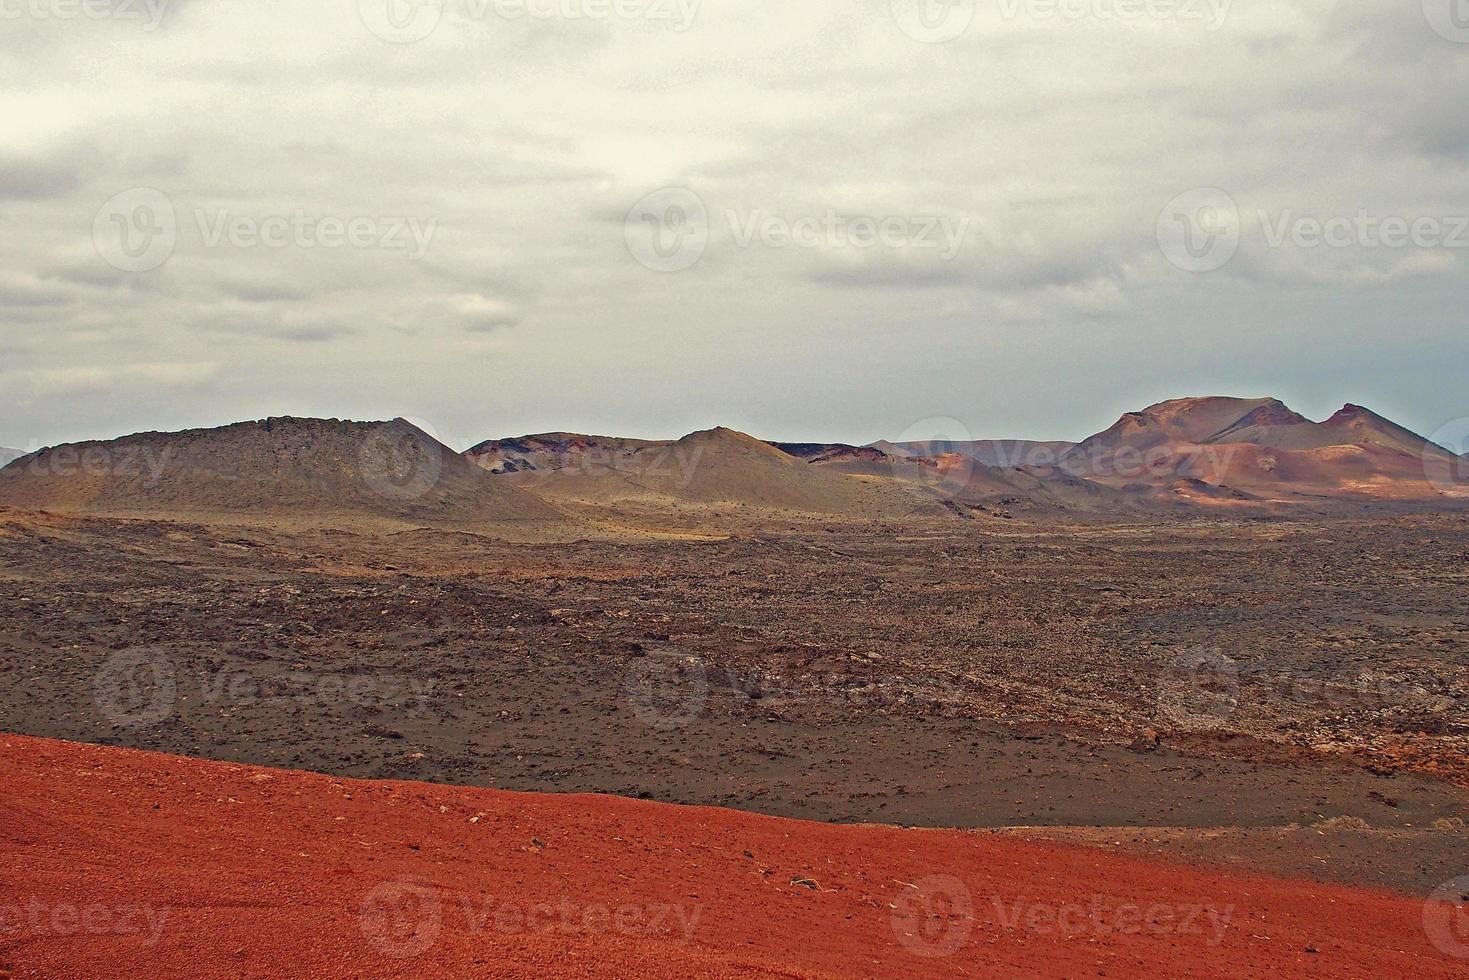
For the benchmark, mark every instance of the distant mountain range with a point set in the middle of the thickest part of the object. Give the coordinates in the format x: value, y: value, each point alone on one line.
x: 1177, y: 456
x: 1263, y: 448
x: 1214, y: 451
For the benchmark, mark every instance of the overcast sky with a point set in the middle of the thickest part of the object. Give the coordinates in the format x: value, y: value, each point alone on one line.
x: 808, y: 219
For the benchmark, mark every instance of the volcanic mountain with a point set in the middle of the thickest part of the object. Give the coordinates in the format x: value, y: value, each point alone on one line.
x: 1263, y: 447
x: 1352, y: 426
x: 277, y: 466
x: 718, y: 467
x: 551, y: 451
x: 1185, y: 421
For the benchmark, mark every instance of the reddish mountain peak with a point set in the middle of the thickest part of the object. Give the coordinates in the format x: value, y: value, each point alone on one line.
x: 1353, y: 413
x: 1177, y: 420
x: 723, y: 436
x: 1274, y: 412
x: 1181, y: 407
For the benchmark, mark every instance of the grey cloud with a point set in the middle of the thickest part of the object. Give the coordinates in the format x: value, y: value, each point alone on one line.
x: 528, y: 144
x: 32, y: 178
x: 264, y: 291
x: 489, y: 324
x: 15, y: 292
x: 888, y: 275
x: 319, y: 334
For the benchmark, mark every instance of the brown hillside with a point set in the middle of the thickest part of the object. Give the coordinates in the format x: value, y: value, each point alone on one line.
x: 278, y: 466
x: 1182, y: 420
x: 1004, y: 453
x: 719, y: 467
x: 1262, y: 448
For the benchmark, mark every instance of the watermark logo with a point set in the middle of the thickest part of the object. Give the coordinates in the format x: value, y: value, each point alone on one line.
x: 410, y: 21
x: 668, y: 230
x: 401, y: 461
x: 45, y: 920
x: 1210, y: 13
x: 933, y: 917
x: 939, y: 21
x: 401, y: 21
x: 149, y: 13
x: 1101, y: 917
x: 136, y: 230
x: 1363, y: 230
x: 933, y: 21
x: 1199, y: 689
x: 1448, y: 18
x: 679, y: 15
x: 1449, y: 471
x: 940, y: 233
x: 937, y: 453
x: 543, y: 460
x: 136, y: 688
x: 125, y: 461
x: 1199, y: 230
x: 391, y: 233
x: 668, y: 691
x: 401, y: 919
x: 1446, y: 918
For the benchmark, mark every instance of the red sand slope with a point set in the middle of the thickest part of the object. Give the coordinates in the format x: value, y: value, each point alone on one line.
x: 252, y: 872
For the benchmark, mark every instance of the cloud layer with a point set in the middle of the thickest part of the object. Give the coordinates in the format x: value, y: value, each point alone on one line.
x: 217, y: 210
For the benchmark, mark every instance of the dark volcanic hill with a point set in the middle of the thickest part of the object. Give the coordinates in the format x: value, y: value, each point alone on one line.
x: 278, y: 466
x: 549, y: 451
x: 719, y: 468
x: 831, y: 452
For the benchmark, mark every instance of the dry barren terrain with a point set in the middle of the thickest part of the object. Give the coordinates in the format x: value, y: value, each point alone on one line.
x: 1299, y: 685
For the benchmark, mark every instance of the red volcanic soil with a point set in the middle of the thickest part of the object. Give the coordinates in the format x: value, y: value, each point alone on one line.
x: 121, y: 863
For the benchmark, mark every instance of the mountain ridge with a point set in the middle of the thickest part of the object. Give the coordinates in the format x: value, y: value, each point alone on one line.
x: 275, y: 465
x: 1207, y: 451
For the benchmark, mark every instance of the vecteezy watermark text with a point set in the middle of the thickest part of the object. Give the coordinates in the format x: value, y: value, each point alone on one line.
x: 148, y: 13
x: 935, y: 917
x: 1363, y: 230
x: 120, y: 461
x: 138, y: 230
x: 40, y: 919
x: 670, y: 689
x: 137, y: 689
x: 302, y: 230
x: 403, y: 919
x: 938, y: 21
x: 1203, y: 688
x: 1202, y: 230
x: 409, y: 21
x: 832, y: 230
x: 670, y: 229
x: 547, y: 461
